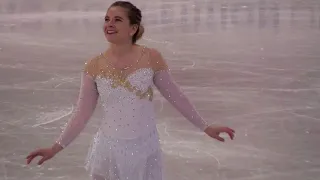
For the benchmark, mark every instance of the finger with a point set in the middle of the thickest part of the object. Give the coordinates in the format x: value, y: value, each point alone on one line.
x: 232, y: 130
x: 219, y: 138
x: 231, y: 135
x: 30, y: 159
x: 227, y: 129
x: 34, y: 153
x: 31, y: 154
x: 42, y: 160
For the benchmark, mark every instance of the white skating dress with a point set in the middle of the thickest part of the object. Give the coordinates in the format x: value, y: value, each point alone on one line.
x: 126, y: 146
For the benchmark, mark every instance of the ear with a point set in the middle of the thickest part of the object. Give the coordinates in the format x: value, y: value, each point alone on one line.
x: 134, y: 29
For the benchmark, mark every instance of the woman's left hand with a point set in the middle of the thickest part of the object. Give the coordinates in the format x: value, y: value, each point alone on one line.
x: 214, y: 132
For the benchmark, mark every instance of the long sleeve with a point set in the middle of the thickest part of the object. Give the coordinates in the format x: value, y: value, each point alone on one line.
x: 85, y: 107
x: 168, y: 88
x: 171, y: 91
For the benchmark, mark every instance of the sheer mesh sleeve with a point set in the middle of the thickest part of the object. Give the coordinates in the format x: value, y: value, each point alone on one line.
x: 157, y: 62
x: 85, y: 107
x: 170, y: 90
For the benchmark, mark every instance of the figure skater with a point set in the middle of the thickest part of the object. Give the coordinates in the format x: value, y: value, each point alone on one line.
x: 126, y: 145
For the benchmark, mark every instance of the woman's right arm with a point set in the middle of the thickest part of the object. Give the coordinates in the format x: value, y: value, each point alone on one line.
x: 86, y: 104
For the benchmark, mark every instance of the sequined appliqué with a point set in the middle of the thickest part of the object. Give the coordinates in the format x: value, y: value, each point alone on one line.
x: 120, y: 81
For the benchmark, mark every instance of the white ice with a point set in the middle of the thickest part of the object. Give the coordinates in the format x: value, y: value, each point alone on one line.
x: 253, y: 65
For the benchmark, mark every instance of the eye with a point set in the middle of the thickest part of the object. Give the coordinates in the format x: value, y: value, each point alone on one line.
x: 118, y: 19
x: 106, y: 19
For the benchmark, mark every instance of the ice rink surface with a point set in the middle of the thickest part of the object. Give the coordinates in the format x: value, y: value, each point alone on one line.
x: 253, y: 65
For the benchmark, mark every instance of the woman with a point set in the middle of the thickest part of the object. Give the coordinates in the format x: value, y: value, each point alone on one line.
x: 126, y: 145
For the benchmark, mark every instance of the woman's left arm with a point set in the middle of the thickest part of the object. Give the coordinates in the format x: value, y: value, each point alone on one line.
x: 171, y: 91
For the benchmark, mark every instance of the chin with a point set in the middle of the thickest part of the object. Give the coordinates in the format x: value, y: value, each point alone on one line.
x: 112, y: 40
x: 116, y: 40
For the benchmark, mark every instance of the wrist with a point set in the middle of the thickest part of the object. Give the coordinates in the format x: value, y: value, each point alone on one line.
x: 57, y: 147
x: 205, y: 127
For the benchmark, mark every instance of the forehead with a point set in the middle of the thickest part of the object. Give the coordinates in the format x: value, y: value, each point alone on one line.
x: 116, y: 11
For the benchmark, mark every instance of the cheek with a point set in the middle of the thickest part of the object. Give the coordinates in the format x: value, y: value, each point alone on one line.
x: 124, y: 30
x: 104, y: 26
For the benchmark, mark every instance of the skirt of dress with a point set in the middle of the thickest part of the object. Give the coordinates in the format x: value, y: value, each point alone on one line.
x: 125, y: 159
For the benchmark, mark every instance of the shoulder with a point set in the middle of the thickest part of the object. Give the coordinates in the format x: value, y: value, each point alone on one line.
x: 156, y: 60
x: 154, y: 53
x: 91, y: 66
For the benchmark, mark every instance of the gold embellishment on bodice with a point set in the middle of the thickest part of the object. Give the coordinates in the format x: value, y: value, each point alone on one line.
x: 118, y: 80
x: 123, y: 82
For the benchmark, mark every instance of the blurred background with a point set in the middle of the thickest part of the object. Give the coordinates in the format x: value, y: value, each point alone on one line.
x: 253, y: 65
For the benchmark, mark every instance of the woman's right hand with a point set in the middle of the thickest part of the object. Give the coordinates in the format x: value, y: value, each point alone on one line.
x: 46, y: 154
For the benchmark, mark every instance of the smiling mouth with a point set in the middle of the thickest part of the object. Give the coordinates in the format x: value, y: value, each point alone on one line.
x: 111, y: 32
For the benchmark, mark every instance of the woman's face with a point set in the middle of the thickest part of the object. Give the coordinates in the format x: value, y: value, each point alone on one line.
x: 117, y: 28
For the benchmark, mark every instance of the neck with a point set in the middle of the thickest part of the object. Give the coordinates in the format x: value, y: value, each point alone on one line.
x: 121, y: 49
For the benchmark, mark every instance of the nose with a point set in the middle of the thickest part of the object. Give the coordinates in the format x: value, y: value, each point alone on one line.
x: 110, y: 23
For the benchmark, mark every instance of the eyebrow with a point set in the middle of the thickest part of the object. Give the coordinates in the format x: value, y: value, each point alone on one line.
x: 115, y: 17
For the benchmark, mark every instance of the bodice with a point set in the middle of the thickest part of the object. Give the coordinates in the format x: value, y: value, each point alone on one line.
x: 114, y: 89
x: 127, y: 103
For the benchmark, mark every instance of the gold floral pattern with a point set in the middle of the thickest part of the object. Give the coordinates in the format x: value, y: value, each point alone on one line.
x: 121, y: 81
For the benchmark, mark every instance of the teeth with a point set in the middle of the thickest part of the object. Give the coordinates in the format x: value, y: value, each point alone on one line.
x: 111, y: 32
